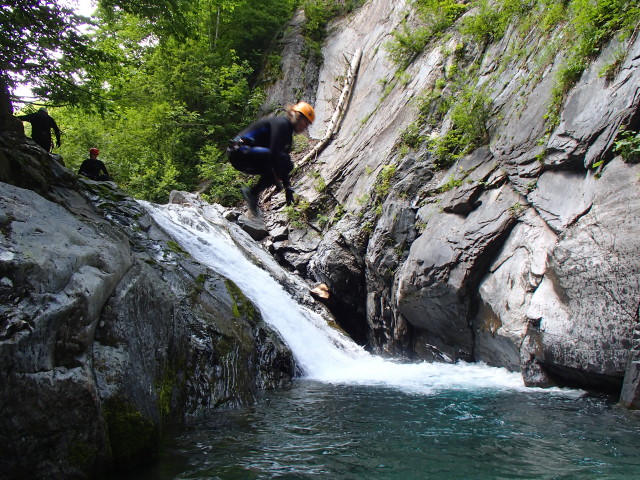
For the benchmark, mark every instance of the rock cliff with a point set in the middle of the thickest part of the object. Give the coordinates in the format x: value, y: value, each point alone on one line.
x: 521, y: 254
x: 109, y: 332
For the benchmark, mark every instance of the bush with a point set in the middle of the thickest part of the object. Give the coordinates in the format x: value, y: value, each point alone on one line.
x: 468, y: 130
x: 627, y: 146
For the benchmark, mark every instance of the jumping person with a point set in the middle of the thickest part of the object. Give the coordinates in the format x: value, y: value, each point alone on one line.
x: 41, y: 126
x: 93, y: 168
x: 263, y: 149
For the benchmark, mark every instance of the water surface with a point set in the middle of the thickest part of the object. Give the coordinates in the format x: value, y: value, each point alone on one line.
x: 324, y: 431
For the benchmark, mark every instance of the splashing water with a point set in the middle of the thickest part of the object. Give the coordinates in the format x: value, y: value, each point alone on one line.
x: 322, y: 352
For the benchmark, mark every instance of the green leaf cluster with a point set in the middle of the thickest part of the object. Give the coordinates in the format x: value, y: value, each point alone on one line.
x: 627, y: 145
x: 42, y: 45
x: 586, y: 26
x: 469, y: 115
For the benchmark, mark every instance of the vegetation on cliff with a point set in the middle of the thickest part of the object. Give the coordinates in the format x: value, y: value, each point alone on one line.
x: 580, y: 29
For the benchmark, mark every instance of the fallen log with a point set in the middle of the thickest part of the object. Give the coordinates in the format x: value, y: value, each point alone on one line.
x: 338, y: 113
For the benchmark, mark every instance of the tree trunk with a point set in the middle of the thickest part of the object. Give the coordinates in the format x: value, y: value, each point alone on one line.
x: 7, y: 121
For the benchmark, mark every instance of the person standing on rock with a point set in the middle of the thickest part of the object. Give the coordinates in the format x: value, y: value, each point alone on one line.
x: 41, y: 126
x: 93, y: 168
x: 263, y: 149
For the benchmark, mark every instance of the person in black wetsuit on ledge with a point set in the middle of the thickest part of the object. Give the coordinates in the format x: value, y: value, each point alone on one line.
x: 263, y: 149
x: 41, y: 125
x: 93, y: 168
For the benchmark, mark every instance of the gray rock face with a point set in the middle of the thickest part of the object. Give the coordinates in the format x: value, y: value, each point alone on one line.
x: 108, y: 331
x: 589, y: 293
x: 519, y: 255
x: 298, y: 77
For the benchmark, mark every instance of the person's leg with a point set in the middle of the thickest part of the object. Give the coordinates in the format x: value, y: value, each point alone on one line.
x: 253, y: 161
x: 42, y: 139
x: 251, y: 194
x: 252, y: 200
x: 265, y: 181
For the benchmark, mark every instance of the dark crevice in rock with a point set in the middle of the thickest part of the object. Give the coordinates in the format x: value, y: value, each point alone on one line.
x: 565, y: 376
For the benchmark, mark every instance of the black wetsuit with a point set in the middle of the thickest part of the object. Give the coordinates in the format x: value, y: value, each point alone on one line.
x: 94, y: 169
x: 41, y: 126
x: 263, y: 149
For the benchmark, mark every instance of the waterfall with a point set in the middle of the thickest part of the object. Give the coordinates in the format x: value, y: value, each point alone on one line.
x: 322, y: 352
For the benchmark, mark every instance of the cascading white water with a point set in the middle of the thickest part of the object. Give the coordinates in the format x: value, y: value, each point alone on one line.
x: 322, y: 352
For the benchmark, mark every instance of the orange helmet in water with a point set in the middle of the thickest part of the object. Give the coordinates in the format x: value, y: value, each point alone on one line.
x: 305, y: 109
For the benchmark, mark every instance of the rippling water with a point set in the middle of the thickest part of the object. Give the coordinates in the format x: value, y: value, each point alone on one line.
x: 324, y: 431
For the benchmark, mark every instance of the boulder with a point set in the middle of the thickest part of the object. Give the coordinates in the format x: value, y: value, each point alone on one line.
x: 109, y: 332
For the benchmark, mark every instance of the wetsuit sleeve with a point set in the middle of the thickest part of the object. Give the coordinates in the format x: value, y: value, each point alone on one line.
x: 103, y: 168
x: 54, y: 125
x: 82, y: 171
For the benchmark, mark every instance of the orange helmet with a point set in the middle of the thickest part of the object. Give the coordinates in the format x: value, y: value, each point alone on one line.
x: 94, y: 151
x: 305, y: 109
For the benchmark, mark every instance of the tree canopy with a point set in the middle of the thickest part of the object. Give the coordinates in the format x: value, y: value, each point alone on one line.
x: 42, y: 45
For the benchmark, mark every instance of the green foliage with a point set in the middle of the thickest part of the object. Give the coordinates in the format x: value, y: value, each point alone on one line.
x: 175, y: 247
x: 180, y: 92
x: 432, y: 106
x: 452, y: 183
x: 224, y: 181
x: 468, y: 130
x: 517, y: 209
x: 492, y: 18
x: 338, y: 212
x: 82, y: 455
x: 133, y: 438
x: 591, y: 23
x: 434, y: 17
x: 552, y: 13
x: 242, y: 306
x: 627, y: 145
x: 251, y: 27
x: 383, y: 181
x: 300, y: 143
x: 164, y: 390
x: 167, y: 17
x: 298, y: 214
x: 412, y: 136
x: 586, y: 26
x: 43, y: 46
x: 319, y: 182
x: 611, y: 69
x: 407, y: 43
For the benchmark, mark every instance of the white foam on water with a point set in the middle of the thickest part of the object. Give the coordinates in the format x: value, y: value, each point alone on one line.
x: 322, y: 352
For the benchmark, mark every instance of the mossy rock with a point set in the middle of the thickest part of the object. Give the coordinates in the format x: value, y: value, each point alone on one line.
x: 134, y: 439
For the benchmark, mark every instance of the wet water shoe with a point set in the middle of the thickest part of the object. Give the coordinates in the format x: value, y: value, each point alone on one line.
x: 251, y: 199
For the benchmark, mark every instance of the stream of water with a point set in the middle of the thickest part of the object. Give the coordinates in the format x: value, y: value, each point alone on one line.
x: 355, y: 416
